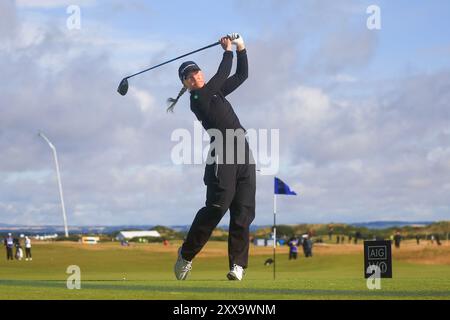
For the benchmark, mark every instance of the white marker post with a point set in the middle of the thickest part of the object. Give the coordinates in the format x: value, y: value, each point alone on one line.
x: 66, y: 230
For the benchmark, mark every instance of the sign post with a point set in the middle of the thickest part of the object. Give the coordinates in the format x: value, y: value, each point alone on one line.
x: 378, y: 253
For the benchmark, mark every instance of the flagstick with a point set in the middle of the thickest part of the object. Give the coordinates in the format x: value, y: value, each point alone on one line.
x: 274, y: 231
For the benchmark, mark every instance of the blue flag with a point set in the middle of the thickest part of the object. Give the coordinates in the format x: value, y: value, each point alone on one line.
x: 282, y: 188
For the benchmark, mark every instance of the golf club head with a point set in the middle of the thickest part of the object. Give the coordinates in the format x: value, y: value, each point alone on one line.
x: 123, y: 87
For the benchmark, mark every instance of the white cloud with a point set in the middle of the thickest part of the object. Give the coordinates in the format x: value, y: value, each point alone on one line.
x: 8, y: 21
x: 144, y: 99
x: 351, y: 152
x: 308, y: 107
x: 439, y: 155
x: 344, y: 78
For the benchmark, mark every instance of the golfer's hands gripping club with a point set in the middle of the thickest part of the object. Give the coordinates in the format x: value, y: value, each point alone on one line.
x: 237, y: 40
x: 226, y: 44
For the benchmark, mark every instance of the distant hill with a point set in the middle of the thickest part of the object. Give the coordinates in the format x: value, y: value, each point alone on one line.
x: 168, y: 233
x: 369, y: 229
x: 32, y: 230
x: 4, y: 225
x: 391, y: 224
x: 407, y: 229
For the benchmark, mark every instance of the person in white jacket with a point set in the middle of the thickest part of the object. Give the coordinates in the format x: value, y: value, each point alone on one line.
x: 28, y: 249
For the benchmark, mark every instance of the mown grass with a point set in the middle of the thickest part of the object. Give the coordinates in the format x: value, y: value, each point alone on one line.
x: 109, y: 271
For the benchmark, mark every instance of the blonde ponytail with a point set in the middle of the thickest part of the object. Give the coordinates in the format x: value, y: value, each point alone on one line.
x: 172, y: 102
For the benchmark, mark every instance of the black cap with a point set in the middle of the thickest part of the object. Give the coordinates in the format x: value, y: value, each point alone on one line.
x: 186, y: 68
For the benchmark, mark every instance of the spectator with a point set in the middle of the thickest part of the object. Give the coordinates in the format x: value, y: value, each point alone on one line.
x: 307, y: 246
x: 438, y: 240
x: 293, y: 248
x: 357, y: 236
x: 397, y: 239
x: 9, y: 244
x: 28, y: 249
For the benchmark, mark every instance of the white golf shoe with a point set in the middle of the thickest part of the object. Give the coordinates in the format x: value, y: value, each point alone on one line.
x: 236, y: 273
x: 182, y: 267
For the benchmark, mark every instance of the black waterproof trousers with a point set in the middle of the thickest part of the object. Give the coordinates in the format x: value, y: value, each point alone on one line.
x: 9, y: 253
x: 233, y: 187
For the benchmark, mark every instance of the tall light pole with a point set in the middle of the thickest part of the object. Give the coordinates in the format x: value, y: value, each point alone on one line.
x: 66, y: 230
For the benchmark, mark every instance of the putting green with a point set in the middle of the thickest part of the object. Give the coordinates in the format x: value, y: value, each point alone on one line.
x: 109, y: 271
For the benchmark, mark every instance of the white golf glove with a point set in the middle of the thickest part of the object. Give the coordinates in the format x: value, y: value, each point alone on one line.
x: 236, y: 39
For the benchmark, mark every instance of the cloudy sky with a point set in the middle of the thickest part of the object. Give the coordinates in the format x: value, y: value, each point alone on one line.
x: 364, y: 115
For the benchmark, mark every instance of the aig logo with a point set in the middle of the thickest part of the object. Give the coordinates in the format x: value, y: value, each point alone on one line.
x: 377, y: 252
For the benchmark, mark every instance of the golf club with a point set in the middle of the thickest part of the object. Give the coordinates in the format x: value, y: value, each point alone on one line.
x: 123, y: 86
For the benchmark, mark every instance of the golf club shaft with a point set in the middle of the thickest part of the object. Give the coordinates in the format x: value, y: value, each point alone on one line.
x: 185, y: 55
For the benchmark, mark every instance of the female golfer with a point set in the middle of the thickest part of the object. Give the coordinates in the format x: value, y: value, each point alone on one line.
x: 230, y: 180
